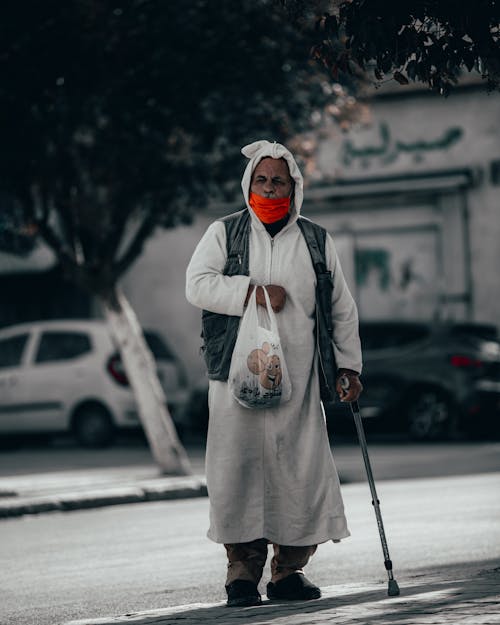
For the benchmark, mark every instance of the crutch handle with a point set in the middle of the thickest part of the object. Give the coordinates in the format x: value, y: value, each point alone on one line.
x: 345, y: 383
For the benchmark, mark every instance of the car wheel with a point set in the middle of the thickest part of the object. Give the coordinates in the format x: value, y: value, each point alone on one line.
x: 10, y: 442
x: 430, y: 414
x: 197, y: 411
x: 93, y: 427
x: 176, y: 414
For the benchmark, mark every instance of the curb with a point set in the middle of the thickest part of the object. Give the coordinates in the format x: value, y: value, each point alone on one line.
x: 174, y: 488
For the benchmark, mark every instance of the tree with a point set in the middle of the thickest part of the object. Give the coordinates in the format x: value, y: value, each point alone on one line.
x: 430, y: 41
x: 119, y: 117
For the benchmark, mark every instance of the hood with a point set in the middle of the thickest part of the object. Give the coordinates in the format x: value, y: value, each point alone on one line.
x: 256, y: 152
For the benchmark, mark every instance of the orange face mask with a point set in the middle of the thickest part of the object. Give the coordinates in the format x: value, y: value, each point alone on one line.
x: 269, y: 209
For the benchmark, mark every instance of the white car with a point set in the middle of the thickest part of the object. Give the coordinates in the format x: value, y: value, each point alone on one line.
x: 58, y: 376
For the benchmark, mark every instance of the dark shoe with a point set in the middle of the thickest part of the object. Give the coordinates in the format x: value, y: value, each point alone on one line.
x: 242, y: 593
x: 294, y: 587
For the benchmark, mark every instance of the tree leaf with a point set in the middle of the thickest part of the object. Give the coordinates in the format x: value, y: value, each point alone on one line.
x: 404, y: 34
x: 400, y: 78
x: 331, y: 25
x: 386, y: 63
x: 469, y: 59
x: 411, y: 69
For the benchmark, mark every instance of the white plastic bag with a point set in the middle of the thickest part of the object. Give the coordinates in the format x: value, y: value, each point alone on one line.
x: 258, y: 377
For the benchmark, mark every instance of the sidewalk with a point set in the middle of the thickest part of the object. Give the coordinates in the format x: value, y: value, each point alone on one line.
x: 93, y: 488
x: 466, y: 596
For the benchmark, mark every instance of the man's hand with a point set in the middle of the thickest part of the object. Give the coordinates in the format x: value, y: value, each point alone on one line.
x: 277, y: 296
x: 355, y: 388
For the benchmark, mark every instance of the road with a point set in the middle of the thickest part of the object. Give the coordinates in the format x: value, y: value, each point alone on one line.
x: 62, y: 566
x: 393, y: 459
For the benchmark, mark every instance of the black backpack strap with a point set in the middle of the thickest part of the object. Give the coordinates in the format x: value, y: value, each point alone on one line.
x: 315, y: 237
x: 237, y: 241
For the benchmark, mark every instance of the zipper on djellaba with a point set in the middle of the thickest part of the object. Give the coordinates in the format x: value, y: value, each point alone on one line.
x: 271, y: 261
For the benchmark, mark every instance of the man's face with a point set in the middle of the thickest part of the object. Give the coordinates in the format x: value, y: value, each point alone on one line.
x: 271, y: 178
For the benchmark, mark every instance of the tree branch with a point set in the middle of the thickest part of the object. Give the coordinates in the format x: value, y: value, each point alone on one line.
x: 112, y: 242
x: 135, y: 248
x: 55, y: 244
x: 47, y: 233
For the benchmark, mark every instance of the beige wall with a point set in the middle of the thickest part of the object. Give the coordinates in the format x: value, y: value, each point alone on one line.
x: 155, y: 286
x: 426, y: 120
x: 423, y: 135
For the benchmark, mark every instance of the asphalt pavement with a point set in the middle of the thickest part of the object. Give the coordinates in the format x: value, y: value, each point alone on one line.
x: 63, y: 478
x: 463, y: 593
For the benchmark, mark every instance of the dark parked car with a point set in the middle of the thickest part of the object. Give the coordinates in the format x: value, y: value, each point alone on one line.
x: 430, y: 380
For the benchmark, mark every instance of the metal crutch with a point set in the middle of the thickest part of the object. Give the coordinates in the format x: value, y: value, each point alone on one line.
x: 393, y: 588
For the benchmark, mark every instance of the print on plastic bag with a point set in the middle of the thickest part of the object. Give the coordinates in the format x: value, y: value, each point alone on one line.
x: 258, y: 377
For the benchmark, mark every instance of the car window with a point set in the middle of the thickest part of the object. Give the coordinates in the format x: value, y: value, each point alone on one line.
x: 158, y: 346
x: 484, y: 331
x: 11, y: 350
x: 56, y: 346
x: 391, y: 335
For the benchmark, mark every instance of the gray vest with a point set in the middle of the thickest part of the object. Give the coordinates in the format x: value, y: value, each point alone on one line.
x: 219, y: 332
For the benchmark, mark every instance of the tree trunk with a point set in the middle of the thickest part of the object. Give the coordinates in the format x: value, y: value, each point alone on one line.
x: 140, y: 367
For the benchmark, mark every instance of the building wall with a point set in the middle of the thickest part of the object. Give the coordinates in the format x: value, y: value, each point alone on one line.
x: 155, y: 286
x: 418, y: 133
x: 425, y: 136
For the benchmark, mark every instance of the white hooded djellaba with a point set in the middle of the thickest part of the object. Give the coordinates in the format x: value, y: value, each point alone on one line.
x: 270, y: 472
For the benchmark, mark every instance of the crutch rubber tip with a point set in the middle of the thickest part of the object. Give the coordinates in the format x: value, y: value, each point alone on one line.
x: 393, y: 590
